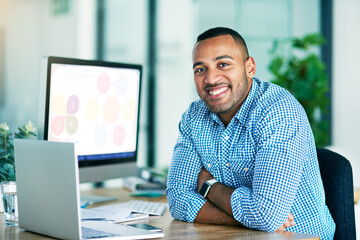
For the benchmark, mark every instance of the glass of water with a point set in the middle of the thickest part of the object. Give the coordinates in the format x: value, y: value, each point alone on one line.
x: 8, y: 189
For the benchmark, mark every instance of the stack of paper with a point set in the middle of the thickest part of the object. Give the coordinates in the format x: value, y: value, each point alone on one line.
x: 116, y: 213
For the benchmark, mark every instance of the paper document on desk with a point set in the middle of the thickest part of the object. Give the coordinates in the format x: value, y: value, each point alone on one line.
x: 116, y: 215
x: 132, y: 217
x: 112, y: 207
x: 114, y: 212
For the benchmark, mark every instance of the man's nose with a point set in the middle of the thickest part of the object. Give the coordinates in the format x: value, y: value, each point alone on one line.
x: 212, y: 76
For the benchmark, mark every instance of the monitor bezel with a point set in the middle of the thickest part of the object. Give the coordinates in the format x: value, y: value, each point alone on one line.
x: 75, y: 61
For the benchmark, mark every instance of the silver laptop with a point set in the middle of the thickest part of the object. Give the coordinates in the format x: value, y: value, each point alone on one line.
x: 47, y: 180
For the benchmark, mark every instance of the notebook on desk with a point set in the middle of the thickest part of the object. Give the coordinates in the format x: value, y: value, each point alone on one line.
x: 47, y: 180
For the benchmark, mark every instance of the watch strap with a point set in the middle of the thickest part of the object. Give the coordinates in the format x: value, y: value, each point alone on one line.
x: 212, y: 181
x: 205, y: 188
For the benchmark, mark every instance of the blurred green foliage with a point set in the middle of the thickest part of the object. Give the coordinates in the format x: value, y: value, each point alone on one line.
x: 7, y: 160
x: 297, y: 67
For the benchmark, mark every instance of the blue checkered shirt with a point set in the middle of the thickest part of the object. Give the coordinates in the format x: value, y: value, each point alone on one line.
x: 267, y: 153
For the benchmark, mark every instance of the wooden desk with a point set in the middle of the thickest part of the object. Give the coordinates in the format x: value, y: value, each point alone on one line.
x: 172, y: 228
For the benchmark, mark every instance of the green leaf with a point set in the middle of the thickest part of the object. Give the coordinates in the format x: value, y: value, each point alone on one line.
x: 32, y: 134
x: 315, y: 39
x: 299, y: 43
x: 11, y: 172
x: 8, y: 167
x: 6, y: 156
x: 3, y: 177
x: 276, y: 65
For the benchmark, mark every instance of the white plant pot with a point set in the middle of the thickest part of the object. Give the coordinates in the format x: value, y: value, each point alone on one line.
x: 1, y: 202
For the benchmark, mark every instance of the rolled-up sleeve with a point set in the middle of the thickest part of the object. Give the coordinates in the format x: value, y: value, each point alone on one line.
x: 184, y: 201
x: 279, y: 162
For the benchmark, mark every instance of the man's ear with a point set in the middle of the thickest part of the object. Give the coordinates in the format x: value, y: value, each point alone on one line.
x: 250, y: 67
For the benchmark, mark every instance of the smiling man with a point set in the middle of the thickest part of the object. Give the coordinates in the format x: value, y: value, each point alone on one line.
x: 245, y: 154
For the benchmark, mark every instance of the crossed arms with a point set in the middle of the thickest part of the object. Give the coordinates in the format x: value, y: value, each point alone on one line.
x: 264, y: 203
x: 217, y: 210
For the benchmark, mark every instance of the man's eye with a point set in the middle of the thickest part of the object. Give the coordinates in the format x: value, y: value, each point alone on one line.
x: 223, y: 64
x: 199, y: 70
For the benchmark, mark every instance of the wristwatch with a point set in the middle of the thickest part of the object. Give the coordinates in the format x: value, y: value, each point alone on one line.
x: 205, y: 188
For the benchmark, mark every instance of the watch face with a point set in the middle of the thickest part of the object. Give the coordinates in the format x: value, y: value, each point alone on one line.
x: 204, y: 189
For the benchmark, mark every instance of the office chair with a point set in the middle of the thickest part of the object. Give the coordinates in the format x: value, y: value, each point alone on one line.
x: 336, y: 174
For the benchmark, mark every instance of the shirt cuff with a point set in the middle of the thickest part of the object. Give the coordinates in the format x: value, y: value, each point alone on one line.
x: 236, y: 204
x: 193, y: 207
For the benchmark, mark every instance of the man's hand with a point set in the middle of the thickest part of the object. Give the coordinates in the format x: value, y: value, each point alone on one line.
x: 204, y: 175
x: 289, y: 222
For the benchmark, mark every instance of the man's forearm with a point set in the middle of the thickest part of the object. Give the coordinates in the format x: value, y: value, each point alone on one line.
x: 211, y: 214
x: 220, y: 196
x: 219, y: 201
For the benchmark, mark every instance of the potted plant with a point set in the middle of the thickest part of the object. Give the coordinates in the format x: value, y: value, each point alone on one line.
x: 7, y: 161
x: 297, y: 67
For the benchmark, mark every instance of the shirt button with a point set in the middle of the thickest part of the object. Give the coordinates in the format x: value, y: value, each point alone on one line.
x: 228, y: 164
x: 227, y: 137
x: 209, y: 165
x: 246, y: 169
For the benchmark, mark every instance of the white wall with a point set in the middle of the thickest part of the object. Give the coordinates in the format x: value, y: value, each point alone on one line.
x: 175, y: 87
x: 19, y: 23
x: 346, y: 83
x: 31, y: 30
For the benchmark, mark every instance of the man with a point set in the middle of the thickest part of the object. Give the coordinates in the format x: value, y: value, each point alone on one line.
x: 245, y: 154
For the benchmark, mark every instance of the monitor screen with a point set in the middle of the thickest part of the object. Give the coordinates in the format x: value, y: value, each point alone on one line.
x: 94, y: 104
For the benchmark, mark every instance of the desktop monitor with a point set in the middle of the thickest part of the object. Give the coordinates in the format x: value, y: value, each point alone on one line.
x: 94, y: 104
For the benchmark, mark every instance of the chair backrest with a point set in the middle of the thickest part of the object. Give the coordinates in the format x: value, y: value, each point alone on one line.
x: 336, y: 174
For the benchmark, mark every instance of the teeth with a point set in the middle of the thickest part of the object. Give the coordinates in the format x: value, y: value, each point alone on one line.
x: 216, y: 92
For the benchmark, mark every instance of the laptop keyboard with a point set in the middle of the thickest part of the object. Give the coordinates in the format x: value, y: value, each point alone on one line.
x: 152, y: 208
x: 92, y: 233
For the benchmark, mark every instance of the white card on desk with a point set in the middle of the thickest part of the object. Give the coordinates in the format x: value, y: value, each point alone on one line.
x: 115, y: 212
x: 116, y: 215
x: 136, y: 216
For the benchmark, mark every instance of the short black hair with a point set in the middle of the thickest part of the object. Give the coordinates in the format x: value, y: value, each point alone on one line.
x: 220, y: 31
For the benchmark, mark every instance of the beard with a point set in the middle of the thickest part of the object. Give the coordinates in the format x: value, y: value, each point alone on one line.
x: 238, y: 94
